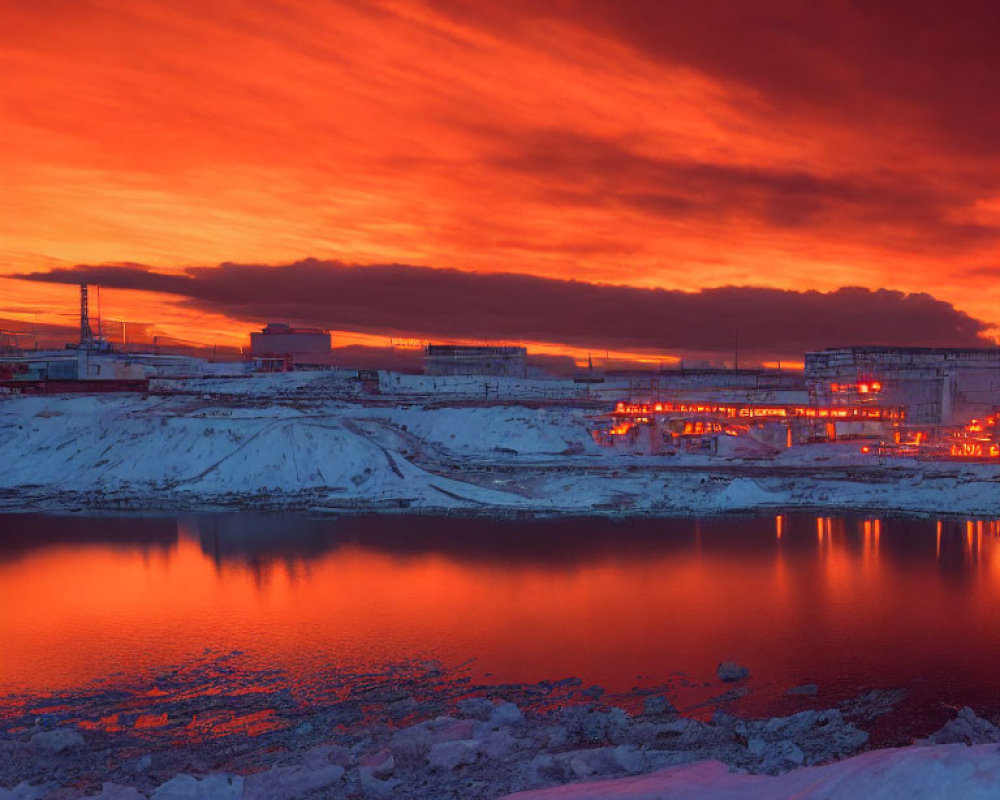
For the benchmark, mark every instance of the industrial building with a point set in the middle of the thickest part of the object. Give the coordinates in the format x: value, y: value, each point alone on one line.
x: 739, y: 429
x: 90, y: 364
x: 449, y: 359
x: 709, y: 385
x: 280, y: 346
x: 936, y: 386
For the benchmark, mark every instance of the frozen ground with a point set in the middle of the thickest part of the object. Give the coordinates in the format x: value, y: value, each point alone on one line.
x: 315, y: 441
x: 944, y: 772
x: 412, y: 732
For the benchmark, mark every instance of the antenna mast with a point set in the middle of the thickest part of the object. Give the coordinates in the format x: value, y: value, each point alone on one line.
x: 86, y: 334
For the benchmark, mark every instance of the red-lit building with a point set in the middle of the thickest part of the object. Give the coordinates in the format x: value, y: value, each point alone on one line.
x: 936, y: 386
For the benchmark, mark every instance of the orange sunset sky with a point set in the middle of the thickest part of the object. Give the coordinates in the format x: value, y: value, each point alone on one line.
x: 577, y: 174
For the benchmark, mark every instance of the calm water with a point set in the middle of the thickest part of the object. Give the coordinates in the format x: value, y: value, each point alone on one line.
x: 846, y: 603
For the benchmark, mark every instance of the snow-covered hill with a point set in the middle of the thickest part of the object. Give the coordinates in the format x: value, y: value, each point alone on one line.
x: 312, y: 444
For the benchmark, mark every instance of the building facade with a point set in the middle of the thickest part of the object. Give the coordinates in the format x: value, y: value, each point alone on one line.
x: 305, y: 346
x: 448, y: 359
x: 936, y: 386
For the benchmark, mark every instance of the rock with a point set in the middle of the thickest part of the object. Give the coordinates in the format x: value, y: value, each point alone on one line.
x: 588, y: 725
x: 112, y: 791
x: 57, y: 741
x: 304, y: 728
x: 499, y: 745
x: 411, y: 746
x: 629, y: 759
x: 545, y: 769
x: 556, y: 737
x: 967, y: 729
x: 805, y: 689
x: 142, y: 763
x: 448, y: 729
x: 730, y: 671
x: 287, y: 783
x: 476, y: 707
x: 385, y: 768
x: 872, y: 704
x: 403, y: 708
x: 26, y: 791
x: 756, y: 746
x: 593, y: 691
x: 506, y: 714
x: 447, y: 756
x: 211, y: 787
x: 376, y: 787
x: 590, y: 762
x: 657, y: 706
x: 789, y: 752
x: 381, y: 764
x: 318, y: 757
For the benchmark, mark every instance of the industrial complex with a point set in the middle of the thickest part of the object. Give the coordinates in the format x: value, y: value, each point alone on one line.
x: 935, y: 403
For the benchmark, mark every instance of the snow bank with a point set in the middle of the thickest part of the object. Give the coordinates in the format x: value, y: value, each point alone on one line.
x: 744, y: 493
x: 500, y: 430
x: 304, y: 444
x: 941, y: 771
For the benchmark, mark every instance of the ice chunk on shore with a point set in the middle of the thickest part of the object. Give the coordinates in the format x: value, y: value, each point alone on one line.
x: 112, y: 791
x: 966, y: 728
x: 26, y: 791
x: 742, y: 493
x: 56, y: 741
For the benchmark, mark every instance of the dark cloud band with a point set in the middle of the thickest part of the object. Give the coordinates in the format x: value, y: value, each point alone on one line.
x: 396, y: 299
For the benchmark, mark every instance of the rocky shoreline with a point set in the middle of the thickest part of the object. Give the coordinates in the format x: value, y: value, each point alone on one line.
x: 410, y: 732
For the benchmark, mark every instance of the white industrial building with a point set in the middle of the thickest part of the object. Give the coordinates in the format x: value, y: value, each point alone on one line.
x: 936, y: 386
x: 450, y: 359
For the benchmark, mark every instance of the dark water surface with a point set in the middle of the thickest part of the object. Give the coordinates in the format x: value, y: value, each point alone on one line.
x: 846, y: 603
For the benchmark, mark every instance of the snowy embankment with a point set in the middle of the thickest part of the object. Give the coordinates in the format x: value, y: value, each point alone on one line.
x: 317, y: 446
x: 947, y: 772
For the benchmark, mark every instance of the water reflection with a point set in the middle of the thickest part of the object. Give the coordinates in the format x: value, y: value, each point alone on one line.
x: 21, y: 534
x: 841, y: 601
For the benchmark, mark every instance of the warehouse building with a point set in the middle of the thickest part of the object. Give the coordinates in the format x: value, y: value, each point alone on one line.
x: 279, y: 342
x: 936, y: 386
x: 449, y: 359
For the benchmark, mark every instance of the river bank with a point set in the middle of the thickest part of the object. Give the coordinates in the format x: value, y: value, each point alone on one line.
x: 188, y: 453
x: 415, y: 731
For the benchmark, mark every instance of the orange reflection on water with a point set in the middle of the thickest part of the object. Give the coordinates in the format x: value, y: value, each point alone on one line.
x: 610, y: 602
